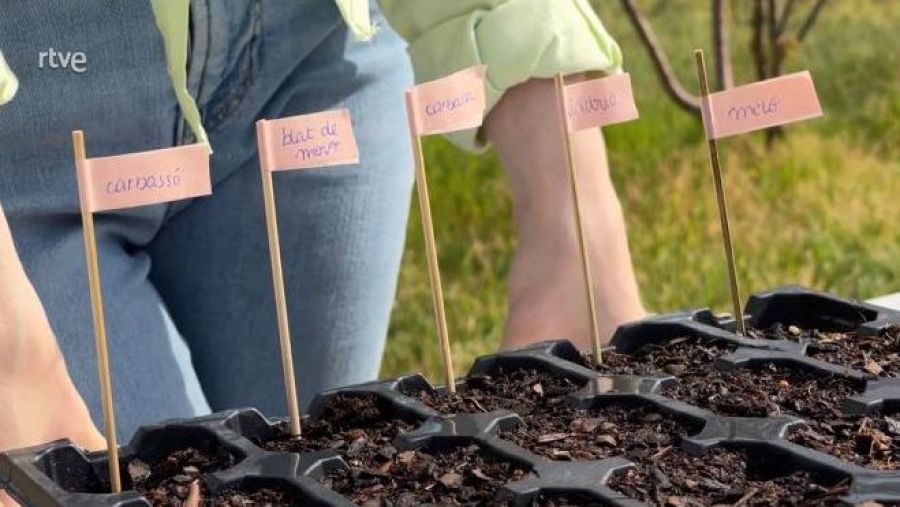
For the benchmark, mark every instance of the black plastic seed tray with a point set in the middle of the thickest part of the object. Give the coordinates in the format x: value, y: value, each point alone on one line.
x: 58, y: 473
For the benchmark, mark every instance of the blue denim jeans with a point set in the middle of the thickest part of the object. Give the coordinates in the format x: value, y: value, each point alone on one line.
x: 187, y: 286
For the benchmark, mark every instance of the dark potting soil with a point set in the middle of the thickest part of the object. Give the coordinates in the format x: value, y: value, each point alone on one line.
x: 166, y: 482
x: 668, y: 358
x: 457, y: 476
x: 766, y: 389
x: 878, y: 355
x: 720, y: 476
x: 254, y: 497
x: 523, y: 391
x: 635, y: 432
x: 769, y: 391
x: 566, y: 500
x: 349, y: 424
x: 872, y: 442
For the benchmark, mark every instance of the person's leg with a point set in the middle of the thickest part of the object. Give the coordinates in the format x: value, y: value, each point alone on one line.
x: 342, y: 229
x: 124, y: 102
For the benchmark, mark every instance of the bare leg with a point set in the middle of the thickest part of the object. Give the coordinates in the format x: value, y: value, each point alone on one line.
x: 38, y: 401
x: 546, y: 288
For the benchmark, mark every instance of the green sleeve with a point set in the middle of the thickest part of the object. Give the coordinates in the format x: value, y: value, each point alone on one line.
x: 8, y: 82
x: 172, y: 21
x: 516, y: 39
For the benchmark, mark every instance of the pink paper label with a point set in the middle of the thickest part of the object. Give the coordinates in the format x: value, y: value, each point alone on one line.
x: 760, y: 105
x: 456, y: 102
x: 148, y: 177
x: 599, y: 102
x: 309, y: 140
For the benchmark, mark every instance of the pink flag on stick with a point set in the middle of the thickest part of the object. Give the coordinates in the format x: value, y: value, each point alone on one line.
x: 598, y: 102
x: 147, y: 177
x: 455, y: 102
x: 760, y: 105
x: 308, y: 140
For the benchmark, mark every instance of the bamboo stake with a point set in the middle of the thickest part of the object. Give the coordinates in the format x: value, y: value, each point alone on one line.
x: 582, y: 242
x: 284, y: 332
x: 93, y: 268
x: 720, y: 199
x: 434, y: 273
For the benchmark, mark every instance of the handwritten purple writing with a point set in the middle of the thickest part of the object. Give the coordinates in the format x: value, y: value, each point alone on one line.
x: 444, y: 105
x: 760, y: 108
x: 317, y: 151
x: 144, y: 183
x: 315, y: 141
x: 588, y: 105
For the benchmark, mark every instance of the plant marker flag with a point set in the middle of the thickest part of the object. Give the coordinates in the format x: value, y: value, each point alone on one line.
x: 755, y: 106
x: 297, y: 142
x: 125, y: 181
x: 456, y: 102
x: 777, y: 101
x: 599, y: 102
x: 584, y: 105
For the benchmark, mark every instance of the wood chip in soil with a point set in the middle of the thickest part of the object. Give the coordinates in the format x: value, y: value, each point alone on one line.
x: 638, y: 433
x: 165, y: 482
x: 757, y: 391
x: 872, y: 442
x: 256, y: 497
x: 351, y: 424
x: 765, y: 390
x: 456, y: 476
x: 720, y: 476
x: 668, y: 358
x: 877, y: 355
x: 524, y: 391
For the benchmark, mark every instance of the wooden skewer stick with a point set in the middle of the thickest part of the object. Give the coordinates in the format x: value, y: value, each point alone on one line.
x: 720, y: 198
x: 284, y: 331
x: 93, y: 268
x: 434, y: 270
x: 582, y: 242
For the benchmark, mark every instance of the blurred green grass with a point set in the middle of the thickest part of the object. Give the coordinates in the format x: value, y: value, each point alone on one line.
x: 821, y: 209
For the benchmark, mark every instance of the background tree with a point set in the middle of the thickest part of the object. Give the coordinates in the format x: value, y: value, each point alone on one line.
x: 771, y: 41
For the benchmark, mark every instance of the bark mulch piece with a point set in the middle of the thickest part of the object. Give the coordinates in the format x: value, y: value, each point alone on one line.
x: 635, y: 432
x: 668, y: 358
x: 720, y: 476
x: 350, y: 424
x: 872, y: 442
x: 770, y: 390
x: 523, y: 391
x: 878, y: 355
x: 457, y: 476
x: 256, y: 497
x: 566, y: 500
x: 166, y: 482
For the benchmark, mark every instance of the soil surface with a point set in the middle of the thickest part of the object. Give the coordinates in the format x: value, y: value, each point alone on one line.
x: 877, y: 355
x: 720, y: 476
x: 457, y: 476
x: 635, y: 432
x: 872, y: 442
x: 770, y: 390
x: 668, y: 358
x: 350, y: 424
x: 566, y: 500
x: 166, y: 482
x: 256, y: 497
x: 523, y: 391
